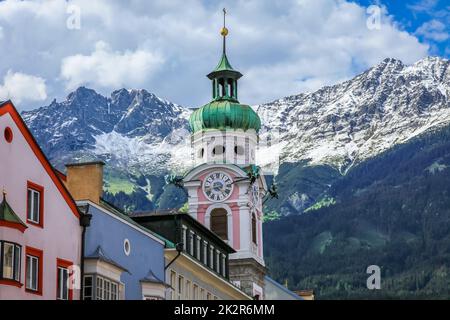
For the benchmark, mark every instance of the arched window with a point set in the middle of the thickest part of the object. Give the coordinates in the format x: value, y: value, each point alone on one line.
x: 219, y: 223
x: 254, y: 235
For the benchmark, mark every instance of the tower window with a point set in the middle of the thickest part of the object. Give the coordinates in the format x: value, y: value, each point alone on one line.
x: 218, y: 150
x: 201, y: 153
x: 239, y: 150
x: 254, y: 235
x: 219, y: 223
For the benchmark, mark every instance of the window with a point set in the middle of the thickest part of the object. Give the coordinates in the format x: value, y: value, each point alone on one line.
x: 126, y: 247
x: 218, y: 261
x: 110, y: 290
x: 184, y: 235
x: 202, y: 294
x: 114, y: 291
x: 99, y: 288
x: 239, y: 150
x: 208, y: 296
x: 33, y: 266
x: 224, y: 265
x: 205, y: 253
x: 105, y: 289
x: 191, y: 243
x: 219, y: 223
x: 201, y: 153
x: 173, y: 277
x: 198, y: 252
x: 35, y: 204
x: 211, y: 257
x: 8, y: 134
x: 10, y: 256
x: 218, y: 150
x: 188, y: 290
x: 254, y: 235
x: 88, y: 287
x: 62, y: 287
x: 195, y: 292
x: 180, y: 287
x: 63, y: 291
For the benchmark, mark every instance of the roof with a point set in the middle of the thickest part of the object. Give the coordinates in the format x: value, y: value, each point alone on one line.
x: 116, y: 211
x: 100, y: 255
x: 8, y: 215
x: 152, y: 278
x: 224, y: 114
x: 224, y: 68
x: 8, y: 107
x: 170, y: 214
x: 282, y: 288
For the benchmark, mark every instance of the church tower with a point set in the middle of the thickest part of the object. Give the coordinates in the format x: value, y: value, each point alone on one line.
x: 225, y: 188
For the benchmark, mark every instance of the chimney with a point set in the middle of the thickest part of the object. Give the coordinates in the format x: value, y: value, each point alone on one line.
x: 85, y: 180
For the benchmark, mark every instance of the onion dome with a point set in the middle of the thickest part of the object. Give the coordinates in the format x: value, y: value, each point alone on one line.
x: 224, y: 111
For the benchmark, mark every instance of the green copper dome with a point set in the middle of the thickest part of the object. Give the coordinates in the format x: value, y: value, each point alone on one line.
x: 224, y: 114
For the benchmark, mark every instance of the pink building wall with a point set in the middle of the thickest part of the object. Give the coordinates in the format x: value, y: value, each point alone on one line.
x: 60, y: 237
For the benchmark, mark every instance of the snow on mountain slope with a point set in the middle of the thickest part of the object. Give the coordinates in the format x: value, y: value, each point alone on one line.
x: 346, y: 123
x: 134, y: 130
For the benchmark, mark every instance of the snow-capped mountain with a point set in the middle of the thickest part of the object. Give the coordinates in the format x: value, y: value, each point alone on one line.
x: 132, y: 129
x: 355, y: 120
x: 337, y: 125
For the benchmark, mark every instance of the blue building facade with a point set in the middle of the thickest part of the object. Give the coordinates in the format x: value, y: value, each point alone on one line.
x: 122, y: 259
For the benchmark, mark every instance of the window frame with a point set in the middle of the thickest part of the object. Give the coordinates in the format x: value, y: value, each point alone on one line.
x: 101, y: 291
x: 64, y: 265
x: 39, y: 255
x: 16, y: 267
x: 173, y: 284
x: 92, y: 286
x: 254, y: 229
x: 180, y: 287
x: 35, y: 188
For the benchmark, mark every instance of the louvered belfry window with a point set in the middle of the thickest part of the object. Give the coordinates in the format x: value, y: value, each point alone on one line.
x: 219, y: 223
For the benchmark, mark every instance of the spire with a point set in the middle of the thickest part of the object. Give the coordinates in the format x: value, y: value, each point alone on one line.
x: 224, y: 77
x: 224, y: 31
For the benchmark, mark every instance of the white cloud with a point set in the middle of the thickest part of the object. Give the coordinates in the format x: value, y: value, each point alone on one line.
x: 109, y: 69
x: 21, y: 87
x: 433, y: 30
x: 166, y: 47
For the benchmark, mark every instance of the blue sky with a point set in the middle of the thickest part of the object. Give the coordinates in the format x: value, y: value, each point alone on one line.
x: 283, y: 47
x: 428, y: 20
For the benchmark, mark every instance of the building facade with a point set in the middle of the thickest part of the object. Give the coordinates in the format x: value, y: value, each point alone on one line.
x: 123, y: 260
x: 40, y: 232
x: 226, y: 188
x: 197, y: 264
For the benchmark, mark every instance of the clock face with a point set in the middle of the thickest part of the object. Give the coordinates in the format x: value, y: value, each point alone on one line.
x: 217, y: 186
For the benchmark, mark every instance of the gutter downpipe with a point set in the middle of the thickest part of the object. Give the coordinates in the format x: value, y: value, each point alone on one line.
x: 85, y: 222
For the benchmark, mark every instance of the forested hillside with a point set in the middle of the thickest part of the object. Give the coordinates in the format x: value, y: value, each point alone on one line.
x: 392, y: 211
